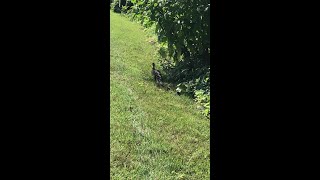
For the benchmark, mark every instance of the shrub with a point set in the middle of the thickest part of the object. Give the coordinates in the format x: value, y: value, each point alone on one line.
x: 124, y: 6
x: 183, y: 29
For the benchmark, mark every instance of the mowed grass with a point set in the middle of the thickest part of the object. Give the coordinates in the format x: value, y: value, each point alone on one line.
x: 154, y: 133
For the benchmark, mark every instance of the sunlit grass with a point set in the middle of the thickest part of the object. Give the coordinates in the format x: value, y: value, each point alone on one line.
x: 155, y: 134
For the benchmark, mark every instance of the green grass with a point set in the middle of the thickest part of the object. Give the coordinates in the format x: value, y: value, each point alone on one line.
x: 155, y: 134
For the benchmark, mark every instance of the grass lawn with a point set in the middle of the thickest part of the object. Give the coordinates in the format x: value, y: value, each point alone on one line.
x: 154, y: 133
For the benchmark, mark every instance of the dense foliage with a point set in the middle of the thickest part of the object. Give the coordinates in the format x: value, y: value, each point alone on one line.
x: 120, y: 5
x: 183, y: 29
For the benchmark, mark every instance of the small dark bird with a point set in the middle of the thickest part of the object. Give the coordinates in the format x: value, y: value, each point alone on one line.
x: 156, y: 74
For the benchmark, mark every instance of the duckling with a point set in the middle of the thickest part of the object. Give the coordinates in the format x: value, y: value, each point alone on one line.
x: 156, y: 74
